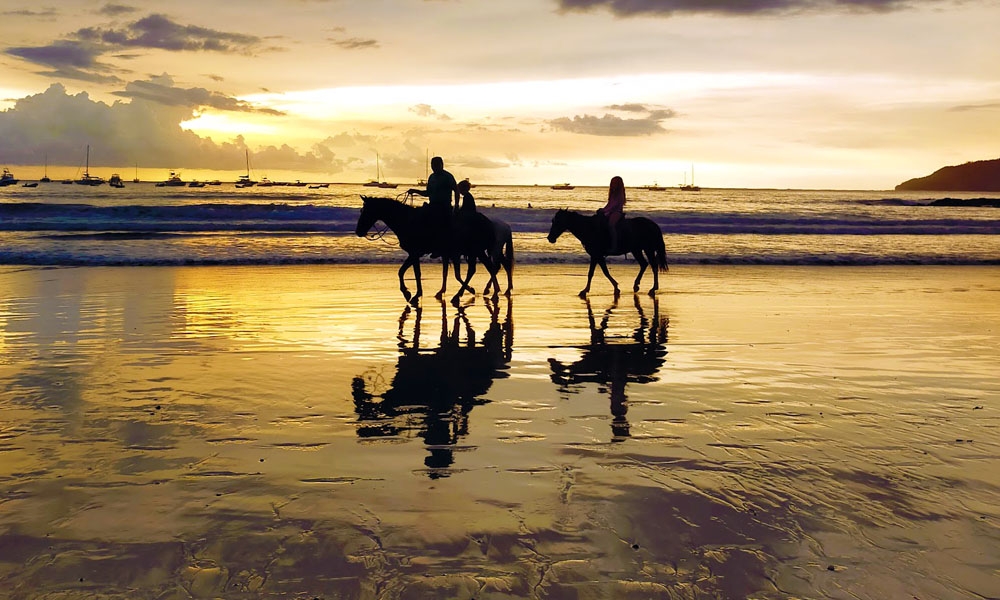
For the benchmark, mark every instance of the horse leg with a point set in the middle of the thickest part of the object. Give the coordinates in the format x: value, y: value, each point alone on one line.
x: 493, y: 266
x: 656, y: 273
x: 444, y: 276
x: 590, y: 275
x: 643, y: 263
x: 465, y: 284
x: 402, y: 271
x: 604, y: 269
x: 508, y: 265
x: 420, y: 285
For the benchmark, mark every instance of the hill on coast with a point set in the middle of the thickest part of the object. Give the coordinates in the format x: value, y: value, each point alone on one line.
x: 978, y: 176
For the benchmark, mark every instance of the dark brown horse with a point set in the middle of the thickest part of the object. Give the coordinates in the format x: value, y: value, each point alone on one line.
x: 637, y: 236
x: 419, y: 232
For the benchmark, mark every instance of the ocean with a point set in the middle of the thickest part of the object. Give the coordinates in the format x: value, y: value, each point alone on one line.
x: 141, y: 224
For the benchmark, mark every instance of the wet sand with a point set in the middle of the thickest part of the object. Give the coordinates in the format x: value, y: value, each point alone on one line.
x: 765, y: 432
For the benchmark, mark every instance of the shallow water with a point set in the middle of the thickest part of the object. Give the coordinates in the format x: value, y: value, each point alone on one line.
x: 253, y: 432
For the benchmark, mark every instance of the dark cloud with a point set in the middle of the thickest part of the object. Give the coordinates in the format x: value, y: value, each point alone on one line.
x: 973, y: 107
x: 68, y: 59
x: 159, y: 32
x: 612, y: 125
x: 117, y: 9
x: 162, y: 90
x: 60, y: 54
x: 625, y: 8
x: 59, y: 126
x: 355, y: 43
x: 48, y: 12
x: 76, y: 57
x: 628, y: 107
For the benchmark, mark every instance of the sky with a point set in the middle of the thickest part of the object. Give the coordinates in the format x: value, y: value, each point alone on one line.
x: 827, y: 94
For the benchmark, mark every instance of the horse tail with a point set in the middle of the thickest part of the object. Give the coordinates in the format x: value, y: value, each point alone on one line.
x: 509, y: 249
x: 660, y: 251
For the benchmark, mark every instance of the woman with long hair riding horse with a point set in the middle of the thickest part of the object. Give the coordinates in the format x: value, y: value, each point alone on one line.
x: 637, y: 236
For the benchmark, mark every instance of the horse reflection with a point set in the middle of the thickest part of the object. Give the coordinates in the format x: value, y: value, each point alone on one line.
x: 433, y: 389
x: 612, y: 362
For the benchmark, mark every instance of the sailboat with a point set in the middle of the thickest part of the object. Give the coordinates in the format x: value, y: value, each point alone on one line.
x: 689, y: 187
x: 136, y: 179
x: 427, y: 168
x: 45, y: 176
x: 87, y: 178
x: 378, y: 176
x: 244, y: 180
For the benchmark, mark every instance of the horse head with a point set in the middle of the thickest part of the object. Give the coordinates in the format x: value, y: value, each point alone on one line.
x: 559, y: 225
x: 369, y: 214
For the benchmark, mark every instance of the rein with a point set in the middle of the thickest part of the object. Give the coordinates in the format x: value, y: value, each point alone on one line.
x: 377, y: 233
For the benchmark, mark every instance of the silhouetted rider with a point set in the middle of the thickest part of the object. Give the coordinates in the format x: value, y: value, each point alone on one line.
x: 441, y: 185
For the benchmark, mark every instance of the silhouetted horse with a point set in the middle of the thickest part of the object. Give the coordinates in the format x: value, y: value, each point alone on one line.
x: 618, y: 361
x: 502, y: 254
x: 433, y: 389
x: 636, y: 235
x: 419, y: 232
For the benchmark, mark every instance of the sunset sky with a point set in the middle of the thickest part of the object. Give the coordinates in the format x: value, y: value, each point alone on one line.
x: 752, y: 93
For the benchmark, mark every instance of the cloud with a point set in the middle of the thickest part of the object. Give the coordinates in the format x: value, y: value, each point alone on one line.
x: 667, y: 8
x: 159, y: 32
x: 117, y: 9
x: 76, y: 57
x: 48, y: 12
x: 426, y: 110
x: 478, y: 162
x: 69, y: 59
x: 612, y: 125
x: 354, y: 43
x: 59, y: 126
x: 162, y: 90
x: 973, y: 107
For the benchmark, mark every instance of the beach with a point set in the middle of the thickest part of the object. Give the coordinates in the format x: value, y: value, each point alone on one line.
x: 301, y: 431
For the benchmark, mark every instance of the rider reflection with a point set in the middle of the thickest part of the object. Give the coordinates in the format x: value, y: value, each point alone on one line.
x: 612, y: 362
x: 434, y: 389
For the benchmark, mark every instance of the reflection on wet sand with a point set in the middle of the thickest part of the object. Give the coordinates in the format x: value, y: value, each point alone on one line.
x: 612, y: 363
x: 434, y: 388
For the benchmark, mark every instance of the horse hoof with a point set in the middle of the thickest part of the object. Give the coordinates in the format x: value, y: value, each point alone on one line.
x: 439, y: 295
x: 415, y: 301
x: 583, y: 293
x: 652, y: 293
x: 407, y: 295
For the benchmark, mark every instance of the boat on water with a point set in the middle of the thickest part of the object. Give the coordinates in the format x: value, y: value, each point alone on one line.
x: 655, y: 187
x: 197, y: 184
x: 45, y: 175
x: 378, y: 182
x: 30, y: 184
x: 244, y: 181
x: 298, y: 183
x: 319, y: 186
x: 689, y: 187
x: 115, y: 181
x: 562, y: 186
x: 136, y: 178
x: 265, y: 182
x: 87, y: 178
x: 7, y: 178
x: 174, y: 180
